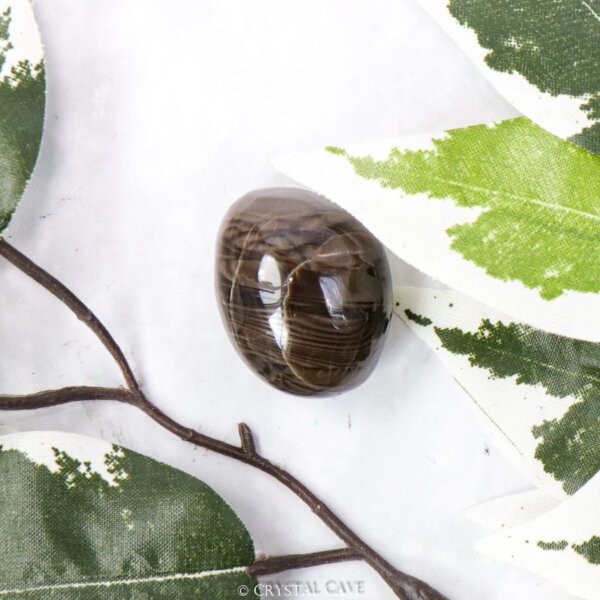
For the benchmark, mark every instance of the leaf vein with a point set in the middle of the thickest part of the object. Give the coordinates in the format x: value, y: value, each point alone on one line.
x: 550, y: 367
x: 537, y: 201
x: 596, y: 15
x: 76, y: 585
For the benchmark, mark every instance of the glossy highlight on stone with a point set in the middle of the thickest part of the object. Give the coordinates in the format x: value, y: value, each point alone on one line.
x: 304, y: 290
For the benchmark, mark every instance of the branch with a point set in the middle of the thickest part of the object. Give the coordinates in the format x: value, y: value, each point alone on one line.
x: 247, y: 439
x: 404, y: 586
x: 67, y: 297
x: 269, y: 565
x: 63, y: 396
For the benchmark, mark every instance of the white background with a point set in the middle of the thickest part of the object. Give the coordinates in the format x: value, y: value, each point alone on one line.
x: 161, y: 114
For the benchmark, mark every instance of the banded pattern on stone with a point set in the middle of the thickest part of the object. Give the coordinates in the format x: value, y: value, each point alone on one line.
x: 304, y: 290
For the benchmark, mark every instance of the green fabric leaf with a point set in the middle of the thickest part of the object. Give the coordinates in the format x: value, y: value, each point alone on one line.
x: 22, y: 103
x: 539, y: 198
x: 590, y: 550
x: 120, y: 526
x: 554, y: 46
x: 563, y: 367
x: 539, y: 392
x: 561, y: 544
x: 543, y: 56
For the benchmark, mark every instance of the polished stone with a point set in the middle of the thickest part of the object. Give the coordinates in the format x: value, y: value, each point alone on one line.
x: 304, y: 290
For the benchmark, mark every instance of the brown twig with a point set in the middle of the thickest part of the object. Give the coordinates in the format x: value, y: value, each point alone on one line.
x: 78, y: 308
x: 247, y: 439
x: 269, y: 565
x: 403, y: 585
x: 62, y: 396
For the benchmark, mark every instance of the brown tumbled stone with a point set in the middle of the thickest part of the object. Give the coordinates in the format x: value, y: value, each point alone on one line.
x: 304, y: 290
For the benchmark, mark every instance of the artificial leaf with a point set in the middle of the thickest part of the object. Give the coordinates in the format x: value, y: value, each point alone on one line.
x: 81, y: 519
x: 503, y: 513
x: 544, y: 57
x: 22, y: 102
x: 539, y: 393
x: 562, y: 544
x: 506, y: 213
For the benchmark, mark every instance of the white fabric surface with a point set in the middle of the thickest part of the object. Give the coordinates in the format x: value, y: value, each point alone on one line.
x: 159, y: 116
